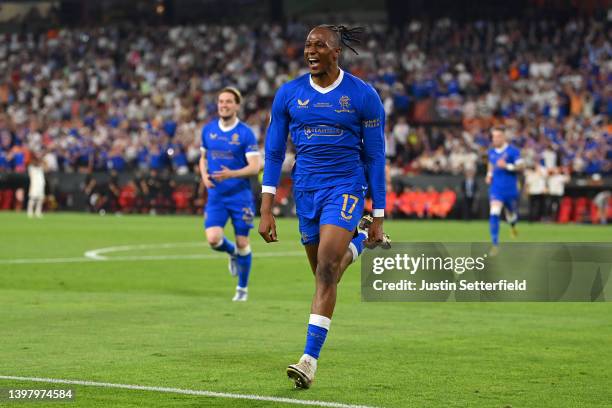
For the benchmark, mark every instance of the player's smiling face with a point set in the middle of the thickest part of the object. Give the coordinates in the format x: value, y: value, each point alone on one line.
x: 498, y: 138
x: 227, y: 107
x: 319, y: 53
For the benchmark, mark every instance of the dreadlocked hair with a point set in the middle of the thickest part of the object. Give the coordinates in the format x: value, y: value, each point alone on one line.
x: 347, y: 35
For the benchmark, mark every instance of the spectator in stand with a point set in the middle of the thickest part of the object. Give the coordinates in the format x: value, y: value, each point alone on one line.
x: 36, y: 192
x: 151, y: 187
x: 535, y: 183
x: 556, y: 182
x: 100, y: 98
x: 602, y: 201
x: 469, y: 189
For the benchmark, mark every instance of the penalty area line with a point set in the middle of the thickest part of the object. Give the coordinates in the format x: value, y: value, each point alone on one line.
x: 251, y: 397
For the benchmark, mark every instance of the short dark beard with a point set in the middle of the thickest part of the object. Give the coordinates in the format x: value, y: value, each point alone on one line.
x: 226, y: 118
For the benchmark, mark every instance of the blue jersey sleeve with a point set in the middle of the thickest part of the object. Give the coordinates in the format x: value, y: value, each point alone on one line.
x: 373, y: 133
x: 249, y: 143
x: 276, y: 142
x: 516, y: 155
x: 203, y: 146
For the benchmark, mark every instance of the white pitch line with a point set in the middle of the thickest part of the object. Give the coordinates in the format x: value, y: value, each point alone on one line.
x: 96, y: 253
x: 141, y: 258
x: 186, y: 392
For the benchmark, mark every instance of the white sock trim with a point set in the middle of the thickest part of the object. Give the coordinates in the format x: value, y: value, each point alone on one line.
x: 321, y: 321
x: 243, y: 289
x: 244, y: 251
x: 353, y: 249
x: 310, y: 359
x: 218, y: 244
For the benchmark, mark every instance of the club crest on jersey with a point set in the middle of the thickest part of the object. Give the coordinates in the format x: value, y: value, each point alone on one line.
x: 345, y: 104
x: 235, y: 139
x: 303, y: 104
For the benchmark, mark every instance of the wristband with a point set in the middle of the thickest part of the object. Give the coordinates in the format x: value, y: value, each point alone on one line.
x: 378, y: 212
x: 268, y: 189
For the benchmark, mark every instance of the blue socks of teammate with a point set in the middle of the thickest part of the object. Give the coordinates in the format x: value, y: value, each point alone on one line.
x: 356, y: 245
x: 318, y: 326
x: 244, y: 259
x: 225, y: 246
x: 494, y: 228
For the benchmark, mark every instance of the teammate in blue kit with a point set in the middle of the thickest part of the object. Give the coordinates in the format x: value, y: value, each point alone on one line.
x: 229, y: 156
x: 336, y: 123
x: 504, y: 164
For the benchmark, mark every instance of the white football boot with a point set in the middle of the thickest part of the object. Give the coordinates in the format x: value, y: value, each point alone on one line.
x: 242, y: 294
x: 302, y: 373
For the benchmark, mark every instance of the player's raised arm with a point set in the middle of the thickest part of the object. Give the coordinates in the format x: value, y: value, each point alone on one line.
x: 275, y: 148
x: 373, y: 128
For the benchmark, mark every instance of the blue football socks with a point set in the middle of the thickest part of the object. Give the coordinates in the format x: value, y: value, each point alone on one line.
x: 357, y: 244
x: 225, y: 246
x: 244, y: 260
x: 318, y: 326
x: 494, y: 228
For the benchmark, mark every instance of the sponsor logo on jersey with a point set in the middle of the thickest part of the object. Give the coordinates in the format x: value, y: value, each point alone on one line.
x: 212, y: 136
x: 303, y: 104
x: 371, y: 123
x: 322, y: 130
x: 222, y: 154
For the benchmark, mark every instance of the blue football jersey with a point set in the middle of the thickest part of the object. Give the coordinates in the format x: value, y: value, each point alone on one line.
x: 504, y: 181
x: 338, y: 133
x: 229, y: 148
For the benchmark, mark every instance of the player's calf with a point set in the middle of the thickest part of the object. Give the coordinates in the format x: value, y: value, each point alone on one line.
x: 219, y: 242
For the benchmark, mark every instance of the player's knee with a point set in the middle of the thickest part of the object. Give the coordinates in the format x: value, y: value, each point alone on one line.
x: 214, y: 240
x: 242, y: 242
x: 495, y: 209
x: 327, y: 271
x: 214, y: 243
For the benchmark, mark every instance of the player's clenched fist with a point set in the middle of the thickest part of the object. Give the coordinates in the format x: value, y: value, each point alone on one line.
x: 267, y: 227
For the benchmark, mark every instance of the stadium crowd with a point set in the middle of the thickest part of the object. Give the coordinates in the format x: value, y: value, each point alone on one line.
x: 116, y: 98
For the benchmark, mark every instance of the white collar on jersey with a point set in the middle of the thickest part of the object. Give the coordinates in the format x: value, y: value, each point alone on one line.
x: 227, y: 129
x: 501, y: 149
x: 328, y: 88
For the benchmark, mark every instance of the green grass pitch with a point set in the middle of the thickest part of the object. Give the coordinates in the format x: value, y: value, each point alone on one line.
x: 150, y: 320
